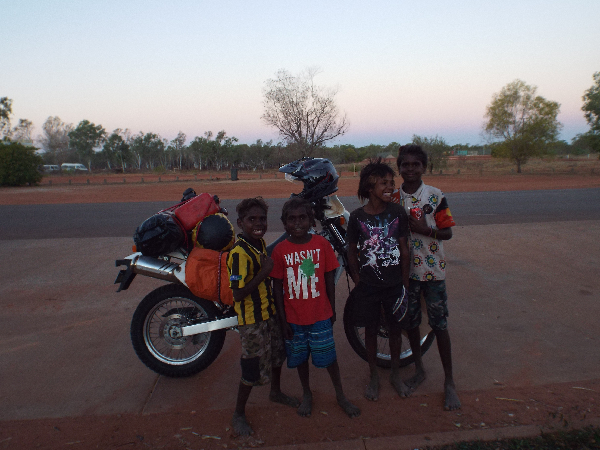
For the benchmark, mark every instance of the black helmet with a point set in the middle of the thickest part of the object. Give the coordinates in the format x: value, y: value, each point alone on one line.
x: 318, y: 175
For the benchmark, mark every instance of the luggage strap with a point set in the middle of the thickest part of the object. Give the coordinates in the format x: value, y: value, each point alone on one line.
x: 219, y: 276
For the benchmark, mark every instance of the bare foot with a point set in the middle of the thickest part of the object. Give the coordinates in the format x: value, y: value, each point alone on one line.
x: 349, y: 408
x: 305, y: 408
x: 415, y: 381
x: 451, y: 401
x: 401, y: 388
x: 240, y: 426
x: 280, y: 397
x: 372, y: 390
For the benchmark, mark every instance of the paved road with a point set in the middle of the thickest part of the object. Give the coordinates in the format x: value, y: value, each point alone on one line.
x: 121, y: 219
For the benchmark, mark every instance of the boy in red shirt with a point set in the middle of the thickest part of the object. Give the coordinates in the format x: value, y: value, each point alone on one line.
x: 304, y: 289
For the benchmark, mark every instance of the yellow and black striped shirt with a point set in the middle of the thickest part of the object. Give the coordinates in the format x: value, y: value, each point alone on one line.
x: 243, y: 264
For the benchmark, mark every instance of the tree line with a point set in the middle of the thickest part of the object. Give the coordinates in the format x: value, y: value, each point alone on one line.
x: 91, y: 145
x: 519, y: 125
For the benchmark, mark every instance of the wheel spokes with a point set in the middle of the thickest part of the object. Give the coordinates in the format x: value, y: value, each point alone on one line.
x: 163, y: 335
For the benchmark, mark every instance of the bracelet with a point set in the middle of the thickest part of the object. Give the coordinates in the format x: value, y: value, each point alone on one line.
x: 430, y: 231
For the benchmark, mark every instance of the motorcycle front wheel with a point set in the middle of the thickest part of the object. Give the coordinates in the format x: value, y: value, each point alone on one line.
x: 157, y: 337
x: 356, y: 338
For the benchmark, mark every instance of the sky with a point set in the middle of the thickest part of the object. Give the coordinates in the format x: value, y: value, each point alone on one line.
x: 401, y: 68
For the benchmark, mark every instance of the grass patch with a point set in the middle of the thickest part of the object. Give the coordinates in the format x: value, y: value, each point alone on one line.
x: 585, y: 439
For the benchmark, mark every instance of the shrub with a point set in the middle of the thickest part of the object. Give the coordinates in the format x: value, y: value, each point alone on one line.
x: 19, y: 164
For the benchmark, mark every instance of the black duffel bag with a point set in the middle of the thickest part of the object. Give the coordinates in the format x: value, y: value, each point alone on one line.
x: 158, y: 235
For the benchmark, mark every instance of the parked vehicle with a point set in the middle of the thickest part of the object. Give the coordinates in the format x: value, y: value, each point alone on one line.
x: 176, y: 333
x: 49, y: 168
x: 73, y: 167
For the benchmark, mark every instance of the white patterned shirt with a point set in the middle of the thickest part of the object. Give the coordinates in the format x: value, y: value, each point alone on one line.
x: 428, y: 260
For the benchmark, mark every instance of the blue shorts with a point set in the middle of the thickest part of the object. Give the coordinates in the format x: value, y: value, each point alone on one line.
x: 315, y: 339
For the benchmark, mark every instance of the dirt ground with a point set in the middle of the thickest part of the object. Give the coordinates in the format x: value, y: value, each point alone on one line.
x: 130, y: 188
x: 549, y: 407
x: 557, y: 405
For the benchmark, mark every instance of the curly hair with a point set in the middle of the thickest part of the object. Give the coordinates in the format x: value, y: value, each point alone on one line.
x: 245, y: 205
x: 295, y: 203
x: 369, y: 174
x: 411, y: 149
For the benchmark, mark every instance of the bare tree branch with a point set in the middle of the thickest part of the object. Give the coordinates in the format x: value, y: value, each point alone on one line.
x: 303, y: 113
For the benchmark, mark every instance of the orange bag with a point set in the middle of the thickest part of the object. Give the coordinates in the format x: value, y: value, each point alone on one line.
x: 206, y: 275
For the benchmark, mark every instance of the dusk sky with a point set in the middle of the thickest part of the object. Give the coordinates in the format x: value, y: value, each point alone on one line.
x: 402, y: 68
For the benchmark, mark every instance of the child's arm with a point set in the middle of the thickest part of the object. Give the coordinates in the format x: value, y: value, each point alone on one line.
x: 266, y: 265
x: 353, y: 262
x: 404, y: 260
x: 420, y: 226
x: 279, y: 304
x: 330, y: 289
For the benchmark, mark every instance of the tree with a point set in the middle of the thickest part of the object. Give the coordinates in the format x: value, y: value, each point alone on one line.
x: 392, y: 148
x: 591, y: 107
x: 116, y: 149
x: 564, y: 148
x: 5, y: 112
x: 437, y: 151
x: 147, y: 149
x: 370, y: 151
x: 222, y: 150
x: 303, y: 113
x: 259, y: 154
x: 55, y: 140
x: 177, y: 146
x: 22, y: 132
x: 342, y: 154
x: 217, y: 153
x: 522, y: 123
x: 586, y: 143
x: 197, y: 152
x: 85, y: 138
x: 19, y: 164
x: 591, y: 104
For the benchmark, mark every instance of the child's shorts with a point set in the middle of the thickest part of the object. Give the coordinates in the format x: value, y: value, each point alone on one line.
x: 369, y: 302
x: 262, y: 349
x: 315, y: 339
x: 436, y: 300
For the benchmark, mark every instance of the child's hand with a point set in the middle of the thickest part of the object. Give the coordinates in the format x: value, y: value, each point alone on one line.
x: 419, y: 225
x: 266, y: 263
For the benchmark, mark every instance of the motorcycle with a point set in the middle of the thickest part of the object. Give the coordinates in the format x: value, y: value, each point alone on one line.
x: 177, y: 334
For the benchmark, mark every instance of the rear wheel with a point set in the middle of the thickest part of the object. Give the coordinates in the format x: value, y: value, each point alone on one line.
x: 356, y: 338
x: 157, y: 336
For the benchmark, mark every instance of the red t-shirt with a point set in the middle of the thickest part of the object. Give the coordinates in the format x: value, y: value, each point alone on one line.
x: 302, y: 268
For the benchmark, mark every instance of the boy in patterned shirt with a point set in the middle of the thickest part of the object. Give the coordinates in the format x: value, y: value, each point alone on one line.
x: 263, y: 350
x: 430, y: 223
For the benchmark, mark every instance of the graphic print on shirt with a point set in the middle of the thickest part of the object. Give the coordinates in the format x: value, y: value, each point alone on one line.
x: 381, y: 245
x: 302, y: 283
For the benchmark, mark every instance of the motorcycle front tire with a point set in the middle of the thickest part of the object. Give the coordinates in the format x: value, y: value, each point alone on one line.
x: 156, y: 332
x: 356, y: 339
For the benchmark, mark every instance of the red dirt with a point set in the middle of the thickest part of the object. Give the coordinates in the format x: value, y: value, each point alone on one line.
x: 133, y: 190
x: 554, y: 407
